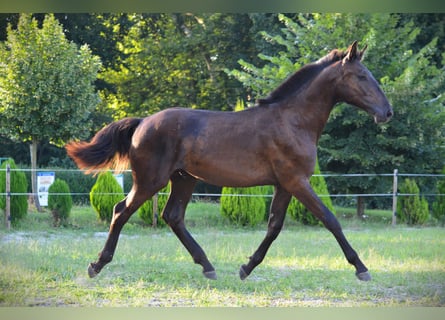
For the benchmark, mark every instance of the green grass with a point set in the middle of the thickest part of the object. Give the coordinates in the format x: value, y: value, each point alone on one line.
x: 45, y: 266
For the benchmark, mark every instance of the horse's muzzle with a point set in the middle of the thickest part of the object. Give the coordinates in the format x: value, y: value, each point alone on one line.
x: 384, y: 116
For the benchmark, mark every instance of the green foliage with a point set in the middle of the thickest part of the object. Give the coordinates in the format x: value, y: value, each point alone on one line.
x: 59, y: 201
x: 18, y: 184
x: 303, y: 215
x: 146, y: 210
x: 438, y: 207
x: 412, y: 80
x: 46, y: 83
x: 46, y: 86
x: 412, y: 209
x: 105, y: 194
x: 182, y: 65
x: 247, y: 209
x: 239, y: 105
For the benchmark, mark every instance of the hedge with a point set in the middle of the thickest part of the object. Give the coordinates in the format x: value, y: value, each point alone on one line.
x: 59, y: 201
x: 247, y: 209
x: 412, y: 209
x: 105, y: 194
x: 18, y: 184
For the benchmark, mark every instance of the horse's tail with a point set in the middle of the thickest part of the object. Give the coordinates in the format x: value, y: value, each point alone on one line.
x: 109, y: 148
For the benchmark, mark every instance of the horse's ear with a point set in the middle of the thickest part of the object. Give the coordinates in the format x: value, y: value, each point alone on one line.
x: 351, y: 53
x: 362, y: 52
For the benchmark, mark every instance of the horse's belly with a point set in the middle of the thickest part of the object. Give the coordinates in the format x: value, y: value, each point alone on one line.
x: 224, y: 172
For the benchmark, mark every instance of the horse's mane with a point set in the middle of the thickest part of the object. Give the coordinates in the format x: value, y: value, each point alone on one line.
x: 301, y: 77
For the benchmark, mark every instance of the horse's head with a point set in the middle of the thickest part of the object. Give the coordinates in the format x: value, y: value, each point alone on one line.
x: 359, y: 87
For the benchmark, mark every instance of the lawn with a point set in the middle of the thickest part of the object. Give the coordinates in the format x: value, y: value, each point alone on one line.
x: 45, y: 266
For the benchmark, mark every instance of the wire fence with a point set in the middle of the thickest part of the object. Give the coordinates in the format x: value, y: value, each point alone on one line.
x: 390, y: 193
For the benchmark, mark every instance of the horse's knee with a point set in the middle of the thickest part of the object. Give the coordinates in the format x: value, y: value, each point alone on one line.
x: 330, y: 221
x: 274, y: 228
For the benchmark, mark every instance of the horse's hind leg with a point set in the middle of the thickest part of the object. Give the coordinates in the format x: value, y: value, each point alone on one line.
x: 278, y: 209
x: 121, y: 213
x: 182, y: 185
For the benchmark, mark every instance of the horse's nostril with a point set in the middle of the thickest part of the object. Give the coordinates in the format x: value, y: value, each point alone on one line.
x: 389, y: 114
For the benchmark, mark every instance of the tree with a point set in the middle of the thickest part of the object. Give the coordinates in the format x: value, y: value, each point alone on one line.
x: 415, y: 87
x: 46, y: 86
x: 204, y: 43
x: 178, y: 60
x: 351, y: 142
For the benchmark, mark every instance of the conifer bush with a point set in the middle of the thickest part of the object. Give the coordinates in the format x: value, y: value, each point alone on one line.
x: 303, y: 215
x: 18, y: 184
x: 146, y: 210
x: 105, y: 194
x: 243, y: 210
x: 412, y: 209
x: 59, y: 201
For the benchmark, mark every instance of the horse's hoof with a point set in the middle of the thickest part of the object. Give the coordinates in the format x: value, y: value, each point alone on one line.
x: 91, y: 272
x: 364, y: 276
x: 242, y: 273
x: 210, y: 275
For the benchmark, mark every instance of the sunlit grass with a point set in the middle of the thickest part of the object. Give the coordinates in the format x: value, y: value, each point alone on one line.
x: 44, y: 266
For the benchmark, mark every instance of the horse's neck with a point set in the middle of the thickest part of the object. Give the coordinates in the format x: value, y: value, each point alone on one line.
x: 310, y: 108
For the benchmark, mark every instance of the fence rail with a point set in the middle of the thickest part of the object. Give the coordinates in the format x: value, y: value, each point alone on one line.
x: 392, y: 194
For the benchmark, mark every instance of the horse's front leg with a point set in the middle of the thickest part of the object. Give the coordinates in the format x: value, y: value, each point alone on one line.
x: 303, y: 191
x: 278, y: 209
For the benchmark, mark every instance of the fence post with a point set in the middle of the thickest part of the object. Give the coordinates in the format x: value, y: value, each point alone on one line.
x: 155, y: 210
x: 394, y: 198
x: 8, y: 197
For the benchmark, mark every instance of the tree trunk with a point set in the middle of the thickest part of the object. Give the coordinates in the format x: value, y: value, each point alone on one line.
x: 360, y: 207
x: 33, y: 150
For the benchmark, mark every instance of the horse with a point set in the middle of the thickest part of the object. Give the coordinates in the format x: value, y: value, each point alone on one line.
x: 272, y: 143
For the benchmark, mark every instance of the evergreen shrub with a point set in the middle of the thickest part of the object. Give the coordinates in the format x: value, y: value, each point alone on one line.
x: 412, y: 209
x: 246, y: 209
x: 18, y: 184
x: 105, y: 194
x: 146, y: 210
x: 59, y: 201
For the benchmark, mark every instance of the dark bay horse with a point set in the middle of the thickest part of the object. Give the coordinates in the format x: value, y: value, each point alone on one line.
x: 273, y: 143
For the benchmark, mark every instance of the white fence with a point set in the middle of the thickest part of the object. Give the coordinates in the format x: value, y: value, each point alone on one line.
x: 391, y: 194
